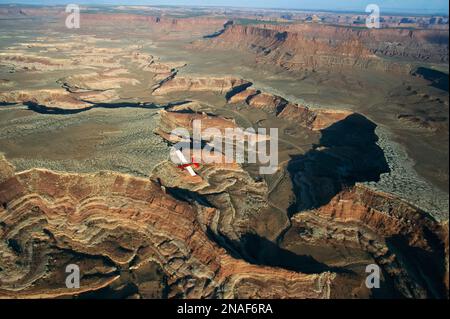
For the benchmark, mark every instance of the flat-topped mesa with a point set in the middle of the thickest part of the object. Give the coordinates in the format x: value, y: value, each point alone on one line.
x: 314, y: 119
x: 185, y: 115
x: 243, y: 96
x: 175, y: 118
x: 164, y: 23
x: 117, y: 228
x: 58, y: 99
x: 267, y: 102
x: 409, y: 245
x: 19, y: 61
x: 411, y: 44
x: 161, y: 22
x: 164, y: 68
x: 147, y: 62
x: 292, y: 48
x: 96, y: 82
x: 52, y: 98
x: 204, y: 84
x: 160, y: 27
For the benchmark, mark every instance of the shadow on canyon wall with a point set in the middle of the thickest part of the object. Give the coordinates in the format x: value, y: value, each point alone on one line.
x: 262, y: 251
x: 347, y: 153
x: 437, y: 78
x: 187, y: 195
x: 426, y: 268
x: 220, y: 32
x: 238, y: 89
x: 58, y: 111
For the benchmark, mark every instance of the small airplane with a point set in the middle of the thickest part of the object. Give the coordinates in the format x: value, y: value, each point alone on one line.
x: 186, y: 165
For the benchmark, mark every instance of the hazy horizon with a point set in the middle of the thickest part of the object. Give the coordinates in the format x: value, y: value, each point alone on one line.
x: 387, y: 6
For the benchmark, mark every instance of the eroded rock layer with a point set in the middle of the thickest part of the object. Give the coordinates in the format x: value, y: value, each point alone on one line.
x: 119, y: 229
x: 315, y: 119
x: 332, y: 213
x: 216, y: 85
x: 314, y: 47
x: 58, y: 98
x: 240, y: 91
x: 223, y: 184
x: 409, y: 245
x: 307, y: 231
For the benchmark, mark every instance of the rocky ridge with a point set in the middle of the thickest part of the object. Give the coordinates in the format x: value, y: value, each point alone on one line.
x: 114, y: 225
x: 304, y: 47
x: 398, y: 236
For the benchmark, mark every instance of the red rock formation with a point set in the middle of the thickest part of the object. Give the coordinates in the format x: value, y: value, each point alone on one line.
x: 172, y: 119
x: 59, y: 99
x: 418, y: 44
x: 165, y: 27
x: 164, y: 23
x: 32, y: 62
x: 404, y: 241
x: 54, y: 98
x: 239, y: 91
x: 408, y: 244
x: 267, y: 102
x: 315, y: 119
x: 114, y: 225
x: 311, y: 47
x: 220, y: 182
x: 243, y: 97
x: 216, y: 85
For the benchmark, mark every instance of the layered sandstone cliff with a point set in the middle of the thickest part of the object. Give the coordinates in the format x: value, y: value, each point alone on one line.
x: 193, y: 84
x: 240, y: 91
x: 159, y: 22
x: 118, y: 228
x: 165, y: 238
x: 224, y: 184
x: 306, y: 47
x: 155, y: 20
x: 331, y: 213
x: 218, y: 234
x: 410, y: 44
x: 315, y: 119
x: 409, y: 245
x: 59, y: 99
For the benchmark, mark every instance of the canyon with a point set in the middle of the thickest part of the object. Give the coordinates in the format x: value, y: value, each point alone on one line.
x: 117, y: 214
x: 86, y: 118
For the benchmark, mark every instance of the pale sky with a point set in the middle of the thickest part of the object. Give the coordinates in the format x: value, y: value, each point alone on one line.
x: 388, y: 6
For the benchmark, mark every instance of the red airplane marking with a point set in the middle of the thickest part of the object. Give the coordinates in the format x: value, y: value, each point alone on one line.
x: 193, y: 164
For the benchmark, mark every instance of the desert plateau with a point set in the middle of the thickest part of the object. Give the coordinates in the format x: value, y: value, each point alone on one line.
x: 87, y: 121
